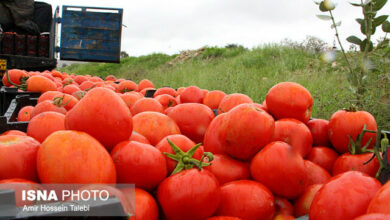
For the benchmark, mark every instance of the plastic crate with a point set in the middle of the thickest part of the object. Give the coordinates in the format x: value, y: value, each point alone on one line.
x: 7, y: 94
x: 8, y: 120
x: 150, y: 93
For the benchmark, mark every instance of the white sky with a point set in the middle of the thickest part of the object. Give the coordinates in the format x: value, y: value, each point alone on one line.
x: 170, y: 26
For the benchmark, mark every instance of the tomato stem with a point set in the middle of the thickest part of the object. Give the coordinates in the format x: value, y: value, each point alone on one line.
x: 22, y: 87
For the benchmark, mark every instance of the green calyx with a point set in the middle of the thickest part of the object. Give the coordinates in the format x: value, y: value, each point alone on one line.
x: 59, y: 101
x: 355, y: 147
x: 185, y: 160
x: 23, y: 81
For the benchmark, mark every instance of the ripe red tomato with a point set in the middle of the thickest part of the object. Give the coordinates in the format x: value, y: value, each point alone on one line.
x: 349, y: 162
x: 165, y: 90
x: 319, y: 130
x: 137, y: 137
x: 146, y: 104
x: 15, y: 76
x: 127, y: 86
x: 190, y: 194
x: 145, y: 206
x: 283, y: 206
x: 230, y: 101
x: 18, y: 157
x: 353, y: 188
x: 223, y: 218
x: 213, y: 99
x: 138, y: 163
x: 47, y: 106
x: 281, y: 169
x: 344, y: 123
x: 183, y: 142
x: 130, y: 99
x: 74, y: 157
x: 154, y: 126
x: 380, y: 203
x: 213, y: 140
x: 19, y: 185
x: 246, y: 199
x: 40, y: 84
x: 315, y: 174
x: 14, y: 132
x: 45, y: 124
x: 227, y: 169
x: 24, y: 113
x: 192, y: 94
x: 166, y: 100
x: 103, y: 115
x: 195, y: 126
x: 246, y: 130
x: 302, y: 205
x: 294, y: 133
x: 374, y: 216
x: 289, y: 100
x: 145, y: 83
x: 323, y: 156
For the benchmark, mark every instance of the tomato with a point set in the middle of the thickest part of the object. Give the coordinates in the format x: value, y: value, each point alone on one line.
x: 15, y: 76
x: 96, y: 79
x: 154, y: 126
x: 40, y: 84
x: 70, y: 89
x: 380, y: 203
x: 110, y: 78
x: 374, y: 216
x: 145, y: 84
x: 146, y: 104
x: 344, y: 196
x: 195, y: 126
x: 315, y: 174
x: 127, y: 86
x: 283, y: 206
x: 45, y: 124
x: 18, y: 157
x: 74, y: 157
x: 24, y: 113
x: 323, y: 156
x: 213, y: 98
x: 295, y: 133
x: 65, y: 100
x: 192, y: 94
x: 165, y: 90
x: 289, y: 100
x: 319, y: 130
x: 14, y: 132
x: 80, y: 79
x: 227, y: 169
x: 137, y: 137
x: 190, y: 194
x: 223, y: 218
x: 145, y: 206
x: 49, y: 95
x: 213, y: 137
x: 246, y: 199
x: 138, y: 163
x: 103, y: 115
x: 246, y: 129
x: 87, y: 85
x: 166, y: 100
x: 230, y: 101
x: 344, y: 123
x: 47, y: 106
x: 302, y: 205
x: 183, y: 142
x: 19, y: 185
x: 281, y: 169
x: 130, y: 99
x: 349, y: 162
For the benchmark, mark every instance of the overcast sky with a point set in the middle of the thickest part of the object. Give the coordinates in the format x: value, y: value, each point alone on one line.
x: 170, y: 26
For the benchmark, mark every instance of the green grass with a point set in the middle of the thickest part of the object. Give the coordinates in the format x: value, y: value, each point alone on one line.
x: 254, y: 72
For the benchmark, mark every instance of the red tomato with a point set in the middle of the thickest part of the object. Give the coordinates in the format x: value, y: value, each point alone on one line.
x: 283, y: 206
x: 166, y: 100
x: 14, y: 132
x: 344, y: 123
x: 110, y: 78
x: 289, y: 100
x: 287, y: 178
x: 137, y: 137
x: 18, y: 157
x: 323, y: 156
x: 353, y: 188
x: 223, y: 218
x: 127, y: 86
x: 130, y: 99
x: 47, y: 106
x: 374, y: 216
x: 348, y: 162
x: 246, y: 130
x: 192, y: 94
x: 19, y: 185
x: 40, y: 84
x: 381, y: 201
x: 145, y: 84
x: 146, y: 104
x: 227, y: 169
x: 138, y: 163
x: 295, y: 133
x: 213, y: 99
x: 165, y: 90
x: 212, y: 139
x: 49, y: 95
x: 319, y: 130
x: 87, y: 85
x: 230, y: 101
x: 246, y: 199
x: 15, y: 76
x: 154, y: 126
x: 195, y: 126
x: 190, y: 194
x: 315, y: 174
x: 102, y: 114
x: 302, y: 205
x: 80, y: 79
x: 183, y: 142
x: 145, y: 206
x: 24, y: 113
x: 45, y: 124
x: 66, y: 100
x: 70, y: 89
x: 74, y: 157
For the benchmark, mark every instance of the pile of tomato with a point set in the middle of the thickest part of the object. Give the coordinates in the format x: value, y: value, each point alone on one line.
x: 251, y: 161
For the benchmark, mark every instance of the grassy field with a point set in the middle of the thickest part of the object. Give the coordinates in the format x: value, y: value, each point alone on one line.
x: 254, y: 72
